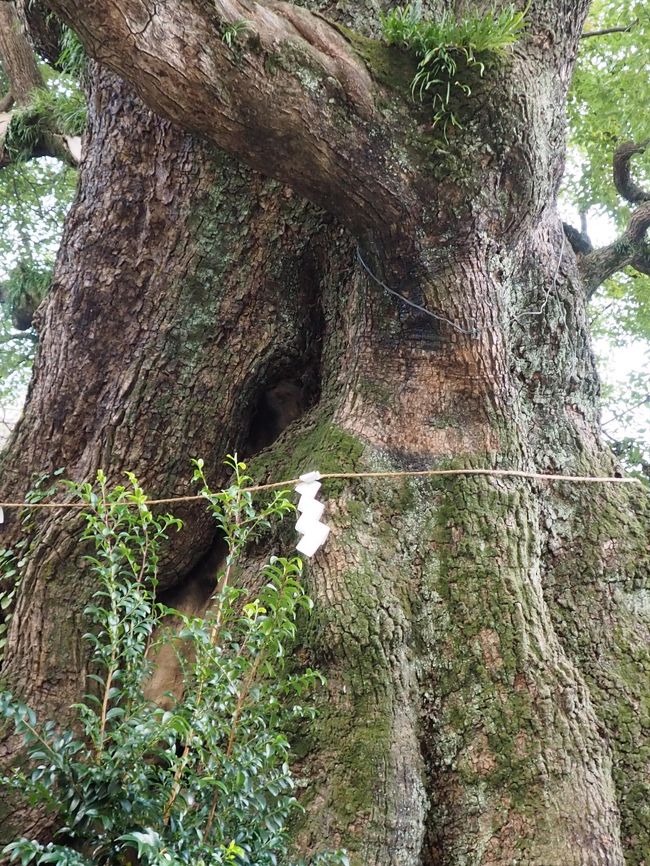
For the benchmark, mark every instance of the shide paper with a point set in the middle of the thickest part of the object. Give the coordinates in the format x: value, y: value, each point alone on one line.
x: 314, y: 532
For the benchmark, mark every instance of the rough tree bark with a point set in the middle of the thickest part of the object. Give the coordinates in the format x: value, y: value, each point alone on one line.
x: 485, y: 640
x: 18, y: 58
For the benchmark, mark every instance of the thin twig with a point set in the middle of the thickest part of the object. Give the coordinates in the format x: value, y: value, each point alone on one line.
x: 607, y: 30
x: 627, y: 411
x: 600, y: 314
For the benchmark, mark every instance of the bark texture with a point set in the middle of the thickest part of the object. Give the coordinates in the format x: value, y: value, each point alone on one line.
x: 485, y: 640
x: 17, y: 57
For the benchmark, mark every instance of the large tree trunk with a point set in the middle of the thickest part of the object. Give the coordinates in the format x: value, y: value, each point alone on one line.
x: 485, y: 640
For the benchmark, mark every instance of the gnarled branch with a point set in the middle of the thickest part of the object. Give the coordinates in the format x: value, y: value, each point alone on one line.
x: 631, y: 249
x: 622, y: 175
x: 290, y: 97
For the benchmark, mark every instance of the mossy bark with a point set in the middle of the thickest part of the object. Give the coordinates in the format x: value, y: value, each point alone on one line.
x: 483, y: 638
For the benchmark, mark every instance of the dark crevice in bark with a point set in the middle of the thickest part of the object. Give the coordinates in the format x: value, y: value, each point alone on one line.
x: 433, y: 838
x: 194, y: 591
x: 288, y: 386
x: 273, y: 411
x: 287, y: 390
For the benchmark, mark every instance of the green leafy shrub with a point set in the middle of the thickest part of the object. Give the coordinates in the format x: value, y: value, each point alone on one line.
x: 207, y: 781
x: 448, y: 47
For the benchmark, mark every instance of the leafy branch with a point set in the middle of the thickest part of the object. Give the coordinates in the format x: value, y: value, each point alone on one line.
x: 40, y: 126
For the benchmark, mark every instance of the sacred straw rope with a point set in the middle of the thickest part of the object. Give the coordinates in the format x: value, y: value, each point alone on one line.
x: 291, y: 482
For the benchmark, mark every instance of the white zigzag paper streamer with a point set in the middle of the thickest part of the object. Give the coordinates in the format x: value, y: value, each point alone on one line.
x: 314, y: 532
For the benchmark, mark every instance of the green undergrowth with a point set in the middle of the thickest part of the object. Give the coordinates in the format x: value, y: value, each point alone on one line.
x: 203, y: 779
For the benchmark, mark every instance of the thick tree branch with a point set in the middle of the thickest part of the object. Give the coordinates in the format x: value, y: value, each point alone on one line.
x: 579, y: 240
x: 641, y: 262
x: 46, y: 143
x: 290, y: 97
x: 18, y: 59
x: 19, y: 64
x: 630, y: 249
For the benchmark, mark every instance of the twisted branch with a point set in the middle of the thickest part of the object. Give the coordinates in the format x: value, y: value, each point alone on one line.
x: 632, y: 248
x: 622, y: 175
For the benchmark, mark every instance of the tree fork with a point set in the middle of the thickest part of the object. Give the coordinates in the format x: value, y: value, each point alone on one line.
x: 25, y: 79
x: 631, y: 249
